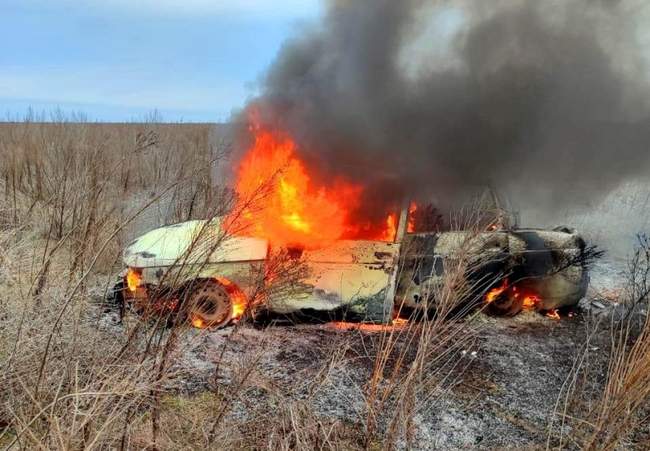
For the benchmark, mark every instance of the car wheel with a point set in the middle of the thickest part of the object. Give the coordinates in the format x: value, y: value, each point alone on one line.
x: 507, y: 304
x: 208, y: 305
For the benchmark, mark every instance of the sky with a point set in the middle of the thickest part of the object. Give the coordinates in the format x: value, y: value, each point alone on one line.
x: 120, y: 60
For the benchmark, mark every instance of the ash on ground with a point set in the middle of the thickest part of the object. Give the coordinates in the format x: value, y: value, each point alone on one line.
x: 512, y: 375
x: 513, y: 379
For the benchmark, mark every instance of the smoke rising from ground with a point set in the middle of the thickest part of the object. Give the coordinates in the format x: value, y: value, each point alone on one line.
x: 545, y: 100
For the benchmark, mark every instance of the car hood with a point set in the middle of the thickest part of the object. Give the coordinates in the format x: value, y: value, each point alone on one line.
x: 191, y: 242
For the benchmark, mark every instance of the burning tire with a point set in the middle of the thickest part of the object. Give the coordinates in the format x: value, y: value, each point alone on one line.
x: 505, y: 302
x: 208, y: 305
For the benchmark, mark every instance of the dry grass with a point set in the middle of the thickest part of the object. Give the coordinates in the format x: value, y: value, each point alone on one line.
x: 616, y: 415
x: 624, y: 405
x: 70, y: 194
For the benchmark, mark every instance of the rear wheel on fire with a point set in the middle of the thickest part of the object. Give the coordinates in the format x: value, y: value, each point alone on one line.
x: 207, y: 304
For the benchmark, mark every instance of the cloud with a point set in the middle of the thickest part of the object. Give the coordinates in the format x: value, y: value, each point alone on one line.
x: 117, y: 86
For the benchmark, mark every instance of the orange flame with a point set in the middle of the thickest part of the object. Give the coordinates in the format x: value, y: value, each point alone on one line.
x: 280, y: 199
x: 495, y: 292
x: 553, y: 314
x: 413, y: 207
x: 391, y: 229
x: 237, y: 297
x: 530, y: 301
x: 133, y: 279
x: 198, y: 322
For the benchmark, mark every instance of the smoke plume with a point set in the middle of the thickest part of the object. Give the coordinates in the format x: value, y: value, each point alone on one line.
x: 430, y: 100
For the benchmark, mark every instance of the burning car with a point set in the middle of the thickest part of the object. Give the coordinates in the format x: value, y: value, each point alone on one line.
x: 194, y: 268
x: 292, y: 242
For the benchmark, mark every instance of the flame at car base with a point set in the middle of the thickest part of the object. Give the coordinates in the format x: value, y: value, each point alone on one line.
x: 237, y: 297
x: 238, y: 302
x: 530, y: 301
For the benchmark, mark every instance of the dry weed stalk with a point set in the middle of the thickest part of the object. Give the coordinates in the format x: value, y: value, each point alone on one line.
x: 416, y: 366
x: 625, y: 401
x: 611, y: 418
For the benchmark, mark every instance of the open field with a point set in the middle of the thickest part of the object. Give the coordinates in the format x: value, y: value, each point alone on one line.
x: 75, y: 377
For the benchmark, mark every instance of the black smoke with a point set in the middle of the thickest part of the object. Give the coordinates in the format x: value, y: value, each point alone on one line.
x: 543, y: 99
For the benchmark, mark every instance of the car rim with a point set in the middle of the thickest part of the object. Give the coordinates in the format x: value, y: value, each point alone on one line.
x: 210, y: 306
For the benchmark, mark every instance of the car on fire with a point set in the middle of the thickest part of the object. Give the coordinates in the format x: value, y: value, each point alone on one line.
x: 209, y: 279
